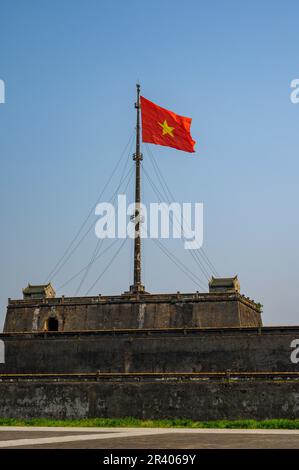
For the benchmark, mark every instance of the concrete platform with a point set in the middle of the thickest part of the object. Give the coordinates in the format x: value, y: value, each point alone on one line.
x: 145, y: 438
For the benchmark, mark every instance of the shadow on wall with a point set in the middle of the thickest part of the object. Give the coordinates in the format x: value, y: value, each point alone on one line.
x: 2, y: 352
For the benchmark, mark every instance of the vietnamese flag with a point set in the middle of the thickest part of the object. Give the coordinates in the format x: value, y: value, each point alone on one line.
x: 163, y: 127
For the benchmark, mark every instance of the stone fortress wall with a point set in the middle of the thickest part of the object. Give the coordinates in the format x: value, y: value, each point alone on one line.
x: 197, y: 356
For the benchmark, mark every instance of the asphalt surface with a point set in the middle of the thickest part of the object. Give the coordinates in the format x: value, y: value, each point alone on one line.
x: 145, y: 438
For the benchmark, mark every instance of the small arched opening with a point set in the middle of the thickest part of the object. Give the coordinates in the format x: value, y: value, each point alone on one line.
x: 52, y: 324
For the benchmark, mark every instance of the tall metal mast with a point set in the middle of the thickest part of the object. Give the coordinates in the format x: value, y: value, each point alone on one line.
x: 137, y: 157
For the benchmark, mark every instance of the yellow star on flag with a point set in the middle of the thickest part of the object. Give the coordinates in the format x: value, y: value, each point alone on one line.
x: 166, y: 128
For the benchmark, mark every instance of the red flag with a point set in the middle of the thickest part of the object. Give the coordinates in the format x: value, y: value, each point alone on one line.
x: 163, y: 127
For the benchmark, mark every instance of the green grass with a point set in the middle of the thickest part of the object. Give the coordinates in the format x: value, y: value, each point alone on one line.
x: 165, y: 423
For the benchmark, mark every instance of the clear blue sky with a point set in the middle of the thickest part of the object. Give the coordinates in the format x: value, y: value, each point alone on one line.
x: 70, y: 69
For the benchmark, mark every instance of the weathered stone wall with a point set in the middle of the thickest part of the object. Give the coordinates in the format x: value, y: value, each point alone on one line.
x: 151, y: 311
x: 202, y: 400
x: 169, y: 350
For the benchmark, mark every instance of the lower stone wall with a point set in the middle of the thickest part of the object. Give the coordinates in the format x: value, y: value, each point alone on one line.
x: 198, y: 400
x: 197, y: 350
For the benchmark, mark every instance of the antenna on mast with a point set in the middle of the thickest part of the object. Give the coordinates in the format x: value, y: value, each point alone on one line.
x: 137, y: 157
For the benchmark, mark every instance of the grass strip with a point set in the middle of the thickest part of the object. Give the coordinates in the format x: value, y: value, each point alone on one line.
x: 161, y: 423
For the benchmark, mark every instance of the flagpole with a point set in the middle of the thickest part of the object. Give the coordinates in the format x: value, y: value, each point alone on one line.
x: 137, y: 157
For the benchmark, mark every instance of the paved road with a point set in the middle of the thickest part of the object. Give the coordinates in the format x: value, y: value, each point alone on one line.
x: 145, y: 438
